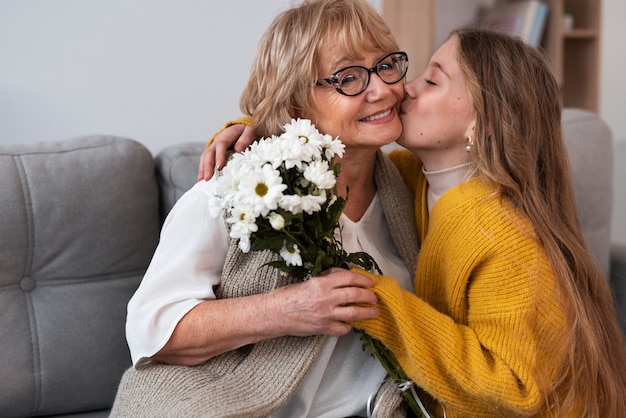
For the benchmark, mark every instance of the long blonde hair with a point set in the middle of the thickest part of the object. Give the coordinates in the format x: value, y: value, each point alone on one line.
x: 285, y: 68
x: 520, y: 150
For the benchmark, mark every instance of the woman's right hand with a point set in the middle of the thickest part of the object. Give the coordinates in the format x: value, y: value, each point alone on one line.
x: 214, y: 156
x: 322, y: 305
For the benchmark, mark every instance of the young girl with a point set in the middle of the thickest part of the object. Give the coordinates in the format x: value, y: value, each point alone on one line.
x: 511, y: 315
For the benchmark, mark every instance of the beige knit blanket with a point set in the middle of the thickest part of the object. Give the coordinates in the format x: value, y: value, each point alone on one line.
x: 256, y: 380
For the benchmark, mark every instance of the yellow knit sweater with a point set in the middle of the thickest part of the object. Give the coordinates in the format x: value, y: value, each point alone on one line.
x: 244, y: 120
x: 484, y: 331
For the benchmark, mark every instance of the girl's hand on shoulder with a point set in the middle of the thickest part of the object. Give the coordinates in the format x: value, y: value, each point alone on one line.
x: 214, y: 156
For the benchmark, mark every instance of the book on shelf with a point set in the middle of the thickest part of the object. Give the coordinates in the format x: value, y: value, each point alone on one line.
x: 523, y: 18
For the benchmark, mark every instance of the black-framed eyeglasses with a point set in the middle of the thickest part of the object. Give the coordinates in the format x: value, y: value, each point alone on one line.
x: 353, y: 80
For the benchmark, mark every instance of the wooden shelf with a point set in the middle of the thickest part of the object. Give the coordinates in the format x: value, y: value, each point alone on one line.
x: 581, y: 34
x: 412, y: 23
x: 572, y: 54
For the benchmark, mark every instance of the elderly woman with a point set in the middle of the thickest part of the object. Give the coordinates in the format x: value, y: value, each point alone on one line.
x: 213, y: 332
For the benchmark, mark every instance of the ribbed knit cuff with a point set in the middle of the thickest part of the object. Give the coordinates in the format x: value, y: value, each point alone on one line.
x: 244, y: 120
x: 387, y: 290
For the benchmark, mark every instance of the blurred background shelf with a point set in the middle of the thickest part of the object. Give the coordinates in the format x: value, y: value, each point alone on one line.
x: 573, y: 54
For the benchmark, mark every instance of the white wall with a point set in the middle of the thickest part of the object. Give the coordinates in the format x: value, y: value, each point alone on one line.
x: 613, y: 102
x: 612, y: 67
x: 158, y: 71
x: 165, y: 72
x: 450, y: 14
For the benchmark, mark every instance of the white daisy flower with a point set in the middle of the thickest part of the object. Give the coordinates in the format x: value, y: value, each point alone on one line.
x: 244, y: 243
x: 291, y: 255
x: 310, y: 139
x: 293, y: 152
x: 291, y: 203
x: 216, y: 206
x: 261, y: 189
x: 225, y: 181
x: 313, y: 202
x: 266, y: 150
x: 317, y: 172
x: 303, y: 128
x: 332, y: 147
x: 243, y: 223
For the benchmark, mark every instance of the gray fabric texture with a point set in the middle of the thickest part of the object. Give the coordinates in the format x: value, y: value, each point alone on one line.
x: 177, y: 171
x: 589, y: 144
x: 79, y: 223
x: 255, y: 380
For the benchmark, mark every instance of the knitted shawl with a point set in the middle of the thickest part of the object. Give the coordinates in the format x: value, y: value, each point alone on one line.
x: 257, y: 379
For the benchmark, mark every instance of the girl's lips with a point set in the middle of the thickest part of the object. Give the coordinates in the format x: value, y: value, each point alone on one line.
x: 402, y: 106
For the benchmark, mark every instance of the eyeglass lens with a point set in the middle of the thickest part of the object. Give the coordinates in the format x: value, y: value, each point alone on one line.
x: 354, y: 80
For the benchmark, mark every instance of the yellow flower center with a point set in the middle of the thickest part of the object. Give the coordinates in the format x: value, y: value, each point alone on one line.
x: 261, y: 189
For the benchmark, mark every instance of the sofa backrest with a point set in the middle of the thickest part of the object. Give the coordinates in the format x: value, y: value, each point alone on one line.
x: 177, y: 171
x: 589, y: 142
x: 588, y: 139
x: 78, y: 226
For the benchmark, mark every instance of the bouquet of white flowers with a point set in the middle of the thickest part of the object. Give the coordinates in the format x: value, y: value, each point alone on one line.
x: 280, y: 195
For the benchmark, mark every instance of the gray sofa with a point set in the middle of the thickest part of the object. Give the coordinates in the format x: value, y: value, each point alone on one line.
x: 79, y: 220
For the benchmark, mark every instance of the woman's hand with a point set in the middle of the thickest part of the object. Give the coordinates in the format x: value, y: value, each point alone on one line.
x: 320, y: 306
x: 214, y: 156
x: 323, y: 304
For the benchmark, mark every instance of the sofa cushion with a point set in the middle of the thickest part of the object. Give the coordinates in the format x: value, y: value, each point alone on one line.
x: 79, y: 224
x: 589, y: 144
x: 177, y: 171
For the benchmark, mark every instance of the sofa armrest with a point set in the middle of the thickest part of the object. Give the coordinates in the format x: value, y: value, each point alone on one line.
x: 618, y: 279
x: 78, y: 226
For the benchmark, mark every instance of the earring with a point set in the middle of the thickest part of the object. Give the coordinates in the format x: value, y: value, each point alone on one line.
x: 469, y: 145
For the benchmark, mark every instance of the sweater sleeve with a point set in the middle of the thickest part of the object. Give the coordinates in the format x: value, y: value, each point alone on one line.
x: 245, y: 120
x: 489, y: 329
x: 449, y: 360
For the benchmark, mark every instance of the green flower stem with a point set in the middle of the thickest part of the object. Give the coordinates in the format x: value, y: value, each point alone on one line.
x: 389, y: 363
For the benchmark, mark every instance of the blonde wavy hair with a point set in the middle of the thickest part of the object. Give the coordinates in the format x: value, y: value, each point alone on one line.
x: 520, y: 150
x: 286, y: 66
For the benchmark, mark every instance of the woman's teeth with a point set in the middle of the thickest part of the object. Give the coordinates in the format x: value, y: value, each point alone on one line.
x: 378, y: 116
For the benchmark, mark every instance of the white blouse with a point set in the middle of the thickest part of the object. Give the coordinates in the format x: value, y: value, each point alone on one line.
x: 188, y: 263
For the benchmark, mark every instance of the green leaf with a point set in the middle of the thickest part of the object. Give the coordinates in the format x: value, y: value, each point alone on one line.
x: 298, y: 272
x: 363, y: 260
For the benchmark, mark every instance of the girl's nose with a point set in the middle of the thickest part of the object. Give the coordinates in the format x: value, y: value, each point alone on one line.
x: 410, y: 89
